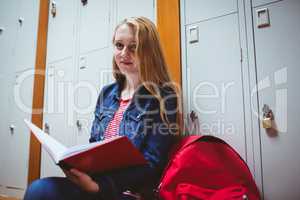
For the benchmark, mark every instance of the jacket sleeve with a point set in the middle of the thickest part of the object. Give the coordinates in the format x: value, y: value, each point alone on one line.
x: 160, y: 135
x: 96, y: 126
x: 157, y: 143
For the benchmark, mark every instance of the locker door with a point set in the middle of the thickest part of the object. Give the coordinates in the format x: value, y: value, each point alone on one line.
x: 6, y: 82
x: 94, y: 25
x: 277, y: 58
x: 134, y: 8
x: 61, y: 29
x: 214, y: 79
x: 94, y: 72
x: 8, y: 26
x: 26, y: 34
x: 199, y: 10
x: 58, y: 110
x: 17, y: 152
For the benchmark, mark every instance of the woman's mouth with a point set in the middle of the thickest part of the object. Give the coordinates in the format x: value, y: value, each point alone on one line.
x: 126, y: 63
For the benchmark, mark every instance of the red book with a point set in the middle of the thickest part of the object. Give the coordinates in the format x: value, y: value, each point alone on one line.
x: 114, y: 153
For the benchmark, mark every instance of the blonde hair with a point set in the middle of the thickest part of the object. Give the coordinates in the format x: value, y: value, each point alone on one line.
x: 153, y: 70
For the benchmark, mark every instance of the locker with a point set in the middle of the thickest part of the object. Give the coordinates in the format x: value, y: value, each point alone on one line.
x: 277, y: 58
x: 61, y: 29
x: 199, y: 10
x: 94, y: 32
x: 58, y: 110
x: 217, y: 98
x: 135, y: 8
x: 25, y: 44
x: 8, y: 25
x: 17, y: 136
x: 6, y: 81
x: 94, y: 71
x: 18, y: 21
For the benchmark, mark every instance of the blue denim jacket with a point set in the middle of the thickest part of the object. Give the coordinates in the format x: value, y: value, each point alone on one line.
x: 143, y: 125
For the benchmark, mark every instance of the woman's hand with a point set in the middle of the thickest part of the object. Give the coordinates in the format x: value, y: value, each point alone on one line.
x: 84, y: 181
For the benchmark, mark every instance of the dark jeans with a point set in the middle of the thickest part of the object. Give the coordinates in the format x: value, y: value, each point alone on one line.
x: 56, y: 188
x: 59, y: 188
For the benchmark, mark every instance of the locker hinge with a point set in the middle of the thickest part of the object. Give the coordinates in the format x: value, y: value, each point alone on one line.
x: 241, y: 59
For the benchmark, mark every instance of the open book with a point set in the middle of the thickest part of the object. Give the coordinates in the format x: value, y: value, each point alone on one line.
x: 102, y: 156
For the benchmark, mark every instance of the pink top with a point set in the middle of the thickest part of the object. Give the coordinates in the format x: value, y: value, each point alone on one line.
x: 112, y: 129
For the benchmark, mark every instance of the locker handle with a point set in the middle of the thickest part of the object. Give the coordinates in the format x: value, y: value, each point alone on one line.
x: 47, y: 128
x: 2, y: 30
x: 84, y: 2
x: 193, y: 116
x: 79, y: 124
x: 12, y: 128
x: 21, y: 20
x: 53, y: 8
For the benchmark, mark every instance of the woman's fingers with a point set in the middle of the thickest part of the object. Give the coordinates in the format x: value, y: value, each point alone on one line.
x: 76, y: 172
x: 71, y: 176
x: 82, y: 180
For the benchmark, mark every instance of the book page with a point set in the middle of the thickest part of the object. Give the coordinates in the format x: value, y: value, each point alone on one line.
x: 52, y: 146
x: 81, y: 148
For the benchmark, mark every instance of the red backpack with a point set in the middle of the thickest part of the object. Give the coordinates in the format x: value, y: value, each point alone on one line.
x: 205, y: 167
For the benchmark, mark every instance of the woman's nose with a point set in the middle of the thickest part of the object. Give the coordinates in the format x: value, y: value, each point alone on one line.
x: 125, y: 51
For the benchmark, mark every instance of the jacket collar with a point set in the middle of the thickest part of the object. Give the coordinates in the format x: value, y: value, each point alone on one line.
x: 141, y: 90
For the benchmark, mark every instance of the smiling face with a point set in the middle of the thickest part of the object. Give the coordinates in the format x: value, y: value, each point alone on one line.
x: 125, y: 45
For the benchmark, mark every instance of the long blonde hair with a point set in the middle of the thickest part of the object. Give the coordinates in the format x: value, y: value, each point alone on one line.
x: 153, y: 68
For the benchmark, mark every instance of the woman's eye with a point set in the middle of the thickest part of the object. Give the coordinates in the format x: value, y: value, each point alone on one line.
x: 119, y: 46
x: 132, y: 47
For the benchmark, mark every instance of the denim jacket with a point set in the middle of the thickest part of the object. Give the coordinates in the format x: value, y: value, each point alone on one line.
x: 143, y: 125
